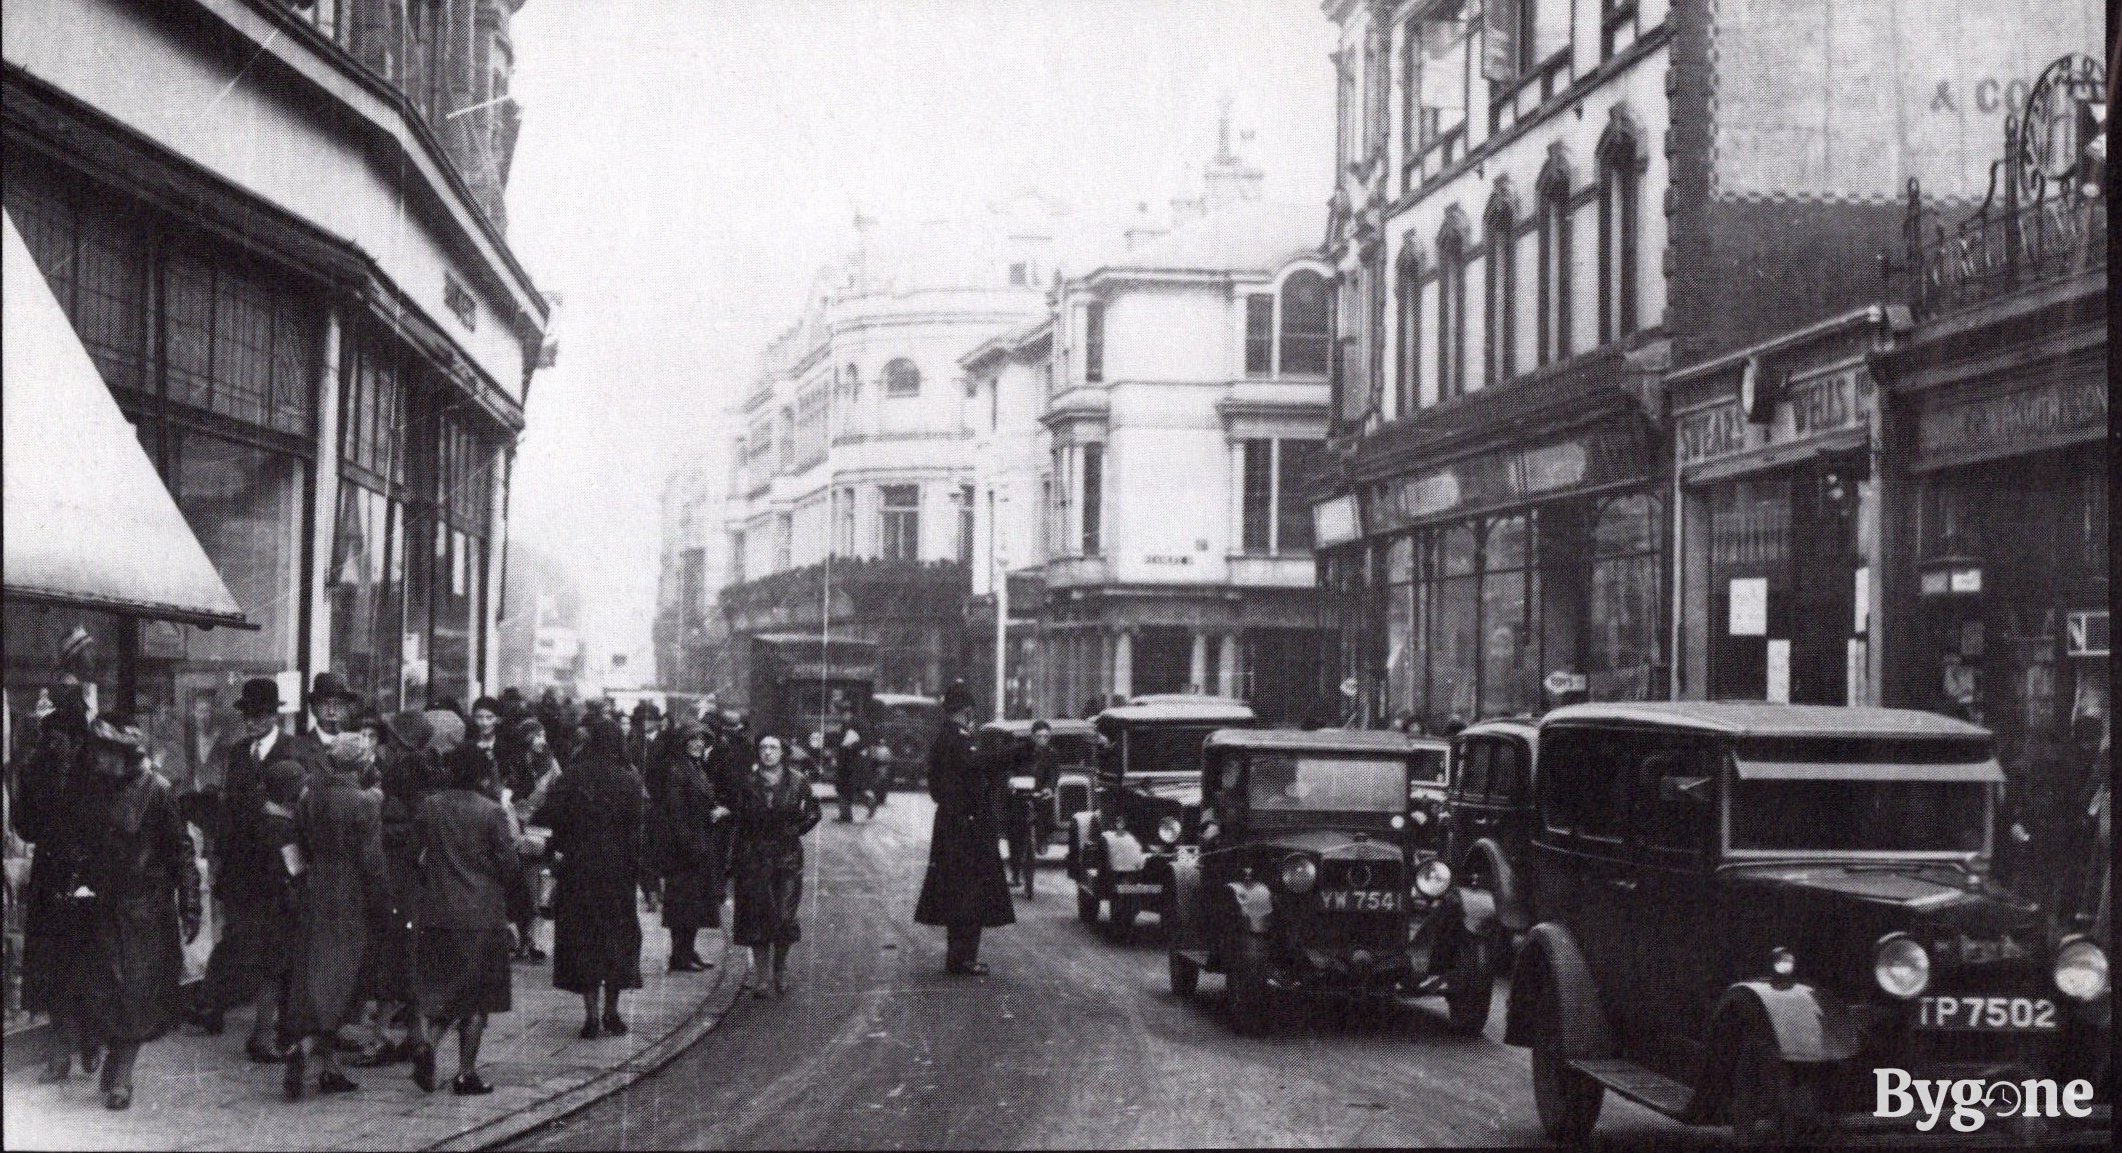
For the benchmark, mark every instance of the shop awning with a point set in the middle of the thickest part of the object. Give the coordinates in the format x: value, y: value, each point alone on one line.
x: 88, y: 521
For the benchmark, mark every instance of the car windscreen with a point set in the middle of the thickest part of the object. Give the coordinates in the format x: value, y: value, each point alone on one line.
x: 1889, y: 816
x: 1075, y: 749
x: 1287, y: 782
x: 1427, y: 766
x: 810, y: 700
x: 1166, y: 748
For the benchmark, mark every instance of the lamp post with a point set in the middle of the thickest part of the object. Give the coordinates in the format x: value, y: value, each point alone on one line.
x: 998, y: 566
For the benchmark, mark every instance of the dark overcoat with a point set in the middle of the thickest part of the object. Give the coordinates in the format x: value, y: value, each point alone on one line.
x: 691, y: 858
x: 345, y: 887
x: 47, y: 813
x: 596, y: 811
x: 965, y: 885
x: 140, y: 864
x: 766, y: 856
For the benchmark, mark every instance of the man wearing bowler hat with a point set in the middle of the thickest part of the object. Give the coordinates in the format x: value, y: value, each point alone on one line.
x: 232, y: 975
x: 964, y: 890
x: 331, y: 713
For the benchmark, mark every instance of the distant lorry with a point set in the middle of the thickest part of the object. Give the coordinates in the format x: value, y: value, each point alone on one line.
x: 799, y: 683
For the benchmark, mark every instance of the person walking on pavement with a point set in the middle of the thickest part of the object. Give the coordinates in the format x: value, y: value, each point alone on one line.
x: 774, y: 809
x: 279, y: 939
x: 531, y: 772
x: 232, y: 969
x: 690, y: 813
x: 332, y: 705
x: 345, y: 885
x: 406, y: 772
x: 850, y: 774
x: 466, y: 860
x: 964, y: 890
x: 140, y: 880
x: 482, y: 745
x: 596, y: 812
x: 47, y: 813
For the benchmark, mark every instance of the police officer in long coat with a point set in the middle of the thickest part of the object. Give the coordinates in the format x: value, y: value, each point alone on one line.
x: 964, y: 890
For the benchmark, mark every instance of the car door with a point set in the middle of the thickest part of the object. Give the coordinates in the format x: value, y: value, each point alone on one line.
x: 1471, y: 816
x: 1678, y: 971
x: 1584, y: 878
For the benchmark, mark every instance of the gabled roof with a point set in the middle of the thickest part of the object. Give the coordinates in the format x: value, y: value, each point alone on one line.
x: 1257, y: 237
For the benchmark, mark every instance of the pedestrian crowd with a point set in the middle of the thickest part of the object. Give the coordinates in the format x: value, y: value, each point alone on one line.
x: 375, y: 878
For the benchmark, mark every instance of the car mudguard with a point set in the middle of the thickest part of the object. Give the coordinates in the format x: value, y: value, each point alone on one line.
x: 1255, y: 903
x: 1551, y: 966
x: 1184, y: 930
x: 1810, y: 1024
x: 1079, y: 843
x: 1510, y: 907
x: 1477, y: 910
x: 1123, y: 852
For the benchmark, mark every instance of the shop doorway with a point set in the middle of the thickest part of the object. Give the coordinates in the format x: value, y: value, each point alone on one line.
x: 1786, y: 617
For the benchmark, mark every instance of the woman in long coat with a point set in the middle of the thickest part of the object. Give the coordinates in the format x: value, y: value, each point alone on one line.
x: 690, y: 813
x: 773, y: 808
x: 45, y: 813
x: 345, y: 886
x: 964, y: 890
x: 465, y: 860
x: 596, y: 812
x: 139, y: 869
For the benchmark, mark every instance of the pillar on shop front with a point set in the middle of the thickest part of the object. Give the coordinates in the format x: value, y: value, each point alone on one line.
x: 492, y: 610
x: 324, y: 506
x: 1197, y: 669
x: 1124, y: 663
x: 1227, y: 666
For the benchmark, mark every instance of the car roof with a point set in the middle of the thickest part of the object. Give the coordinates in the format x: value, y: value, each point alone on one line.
x: 1515, y: 726
x: 1062, y: 726
x: 1756, y: 719
x: 1178, y: 708
x: 903, y: 699
x: 1323, y: 740
x: 1186, y: 699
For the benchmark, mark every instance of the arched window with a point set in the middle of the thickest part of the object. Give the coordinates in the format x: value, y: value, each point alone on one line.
x: 1555, y: 267
x: 1451, y: 310
x: 1499, y: 292
x: 901, y: 378
x: 1620, y: 173
x: 1307, y: 324
x: 1407, y: 369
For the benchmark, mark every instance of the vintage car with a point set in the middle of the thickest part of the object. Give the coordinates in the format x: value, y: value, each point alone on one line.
x: 1304, y: 882
x: 1075, y: 744
x: 901, y: 725
x: 1428, y: 774
x: 1143, y: 803
x: 1745, y: 910
x: 1488, y: 817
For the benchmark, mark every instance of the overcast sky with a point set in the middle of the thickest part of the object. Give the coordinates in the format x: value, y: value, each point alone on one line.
x: 686, y: 165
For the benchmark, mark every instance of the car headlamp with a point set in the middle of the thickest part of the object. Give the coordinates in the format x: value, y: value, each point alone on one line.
x: 1432, y: 878
x: 2081, y: 970
x: 1299, y: 874
x: 1901, y: 966
x: 1782, y: 962
x: 1168, y: 830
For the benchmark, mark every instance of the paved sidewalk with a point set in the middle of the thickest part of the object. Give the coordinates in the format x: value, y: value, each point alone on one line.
x: 195, y: 1092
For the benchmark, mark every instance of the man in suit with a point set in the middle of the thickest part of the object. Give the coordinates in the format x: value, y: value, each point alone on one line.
x: 331, y: 713
x: 232, y: 975
x: 964, y: 890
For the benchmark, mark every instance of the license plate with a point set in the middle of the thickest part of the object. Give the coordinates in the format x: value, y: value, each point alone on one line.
x: 1132, y: 889
x: 1361, y: 901
x: 2011, y: 1014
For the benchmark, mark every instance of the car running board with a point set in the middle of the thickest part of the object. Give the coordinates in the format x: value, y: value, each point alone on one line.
x: 1638, y: 1084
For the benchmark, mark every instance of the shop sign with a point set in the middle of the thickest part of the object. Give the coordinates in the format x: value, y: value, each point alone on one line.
x: 1603, y: 456
x: 1810, y: 407
x: 2036, y: 417
x: 1335, y: 521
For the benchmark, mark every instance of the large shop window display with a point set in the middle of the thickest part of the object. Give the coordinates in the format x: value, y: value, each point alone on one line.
x: 1517, y: 612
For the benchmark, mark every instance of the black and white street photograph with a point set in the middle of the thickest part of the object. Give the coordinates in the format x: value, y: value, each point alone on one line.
x: 1056, y: 574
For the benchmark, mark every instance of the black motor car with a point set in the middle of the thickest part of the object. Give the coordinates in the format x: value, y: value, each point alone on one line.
x: 1143, y: 803
x: 1488, y: 815
x: 1428, y: 772
x: 1745, y: 911
x: 1304, y: 881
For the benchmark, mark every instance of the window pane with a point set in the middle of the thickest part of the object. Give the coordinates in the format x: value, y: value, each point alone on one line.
x: 1307, y: 326
x: 1094, y: 343
x: 1299, y: 459
x: 1453, y: 649
x: 1259, y: 480
x: 1510, y: 677
x: 1507, y: 543
x: 243, y: 344
x: 1259, y: 334
x: 365, y: 595
x: 1093, y: 497
x: 188, y: 329
x: 901, y: 378
x: 244, y: 505
x: 110, y: 300
x: 1455, y: 551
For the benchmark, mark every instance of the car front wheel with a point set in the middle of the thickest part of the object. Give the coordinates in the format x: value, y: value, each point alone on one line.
x: 1567, y: 1101
x: 1185, y: 975
x: 1772, y: 1105
x: 1473, y: 982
